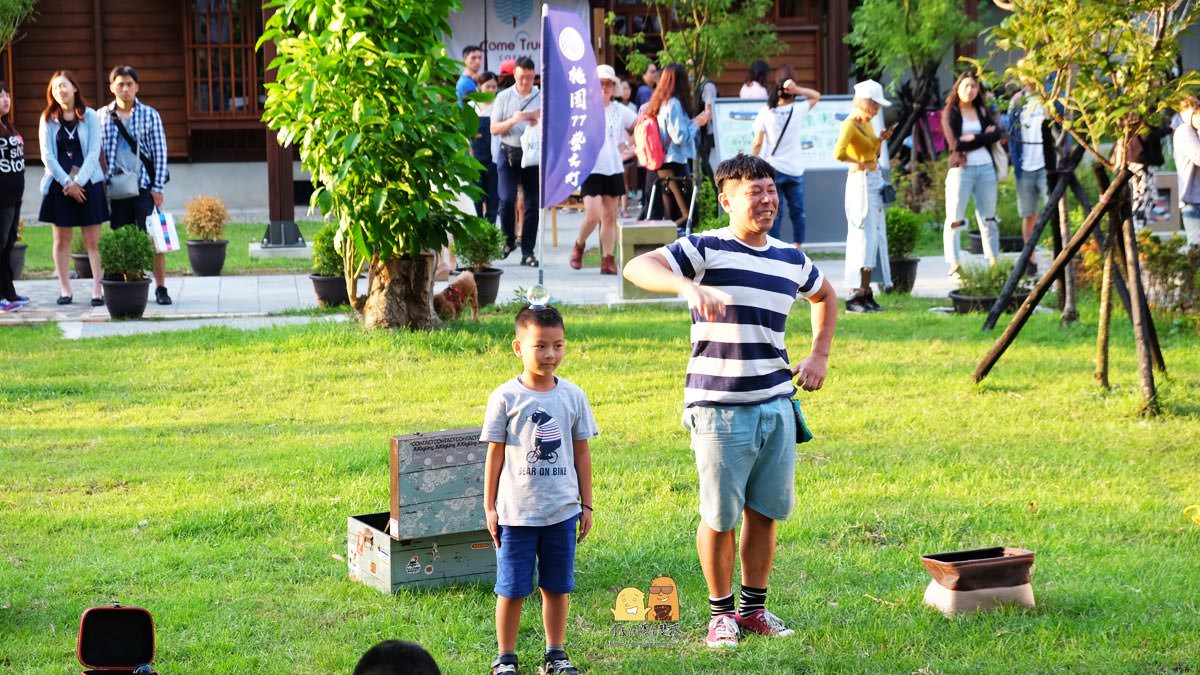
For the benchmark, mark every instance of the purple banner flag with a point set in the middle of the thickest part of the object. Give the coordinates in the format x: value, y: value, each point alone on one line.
x: 572, y: 106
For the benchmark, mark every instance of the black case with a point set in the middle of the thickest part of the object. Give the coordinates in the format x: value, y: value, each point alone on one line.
x: 115, y: 639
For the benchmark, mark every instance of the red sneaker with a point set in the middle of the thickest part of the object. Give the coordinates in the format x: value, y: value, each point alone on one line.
x: 764, y: 623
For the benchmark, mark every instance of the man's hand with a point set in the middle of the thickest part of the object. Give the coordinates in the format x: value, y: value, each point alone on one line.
x: 493, y: 525
x: 158, y: 199
x: 810, y: 372
x: 585, y: 525
x: 709, y: 301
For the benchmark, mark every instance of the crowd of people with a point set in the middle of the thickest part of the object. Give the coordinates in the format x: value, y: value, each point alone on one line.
x: 83, y: 150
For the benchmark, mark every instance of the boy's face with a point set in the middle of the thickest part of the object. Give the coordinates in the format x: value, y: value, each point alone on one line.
x: 540, y: 348
x: 751, y: 204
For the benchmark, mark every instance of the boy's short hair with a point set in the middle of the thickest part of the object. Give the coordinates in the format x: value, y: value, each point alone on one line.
x: 396, y: 657
x: 123, y: 71
x: 542, y: 315
x: 471, y: 49
x: 742, y: 167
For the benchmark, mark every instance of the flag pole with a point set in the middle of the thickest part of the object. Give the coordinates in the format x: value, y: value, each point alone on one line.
x: 541, y: 171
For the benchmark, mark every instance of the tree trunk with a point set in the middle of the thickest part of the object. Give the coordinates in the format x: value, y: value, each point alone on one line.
x: 1069, y: 313
x: 1141, y: 315
x: 399, y: 293
x: 1105, y: 319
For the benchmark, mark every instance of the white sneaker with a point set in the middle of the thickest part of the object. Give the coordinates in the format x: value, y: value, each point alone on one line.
x: 723, y: 631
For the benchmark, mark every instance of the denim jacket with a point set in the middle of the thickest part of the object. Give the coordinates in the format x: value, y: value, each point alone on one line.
x: 89, y: 141
x: 678, y: 132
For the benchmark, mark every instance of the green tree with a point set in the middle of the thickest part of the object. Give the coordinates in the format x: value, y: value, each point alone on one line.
x: 704, y: 36
x: 13, y: 13
x: 365, y: 91
x: 909, y: 36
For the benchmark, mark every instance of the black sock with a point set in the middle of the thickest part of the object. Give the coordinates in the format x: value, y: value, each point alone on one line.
x: 752, y: 599
x: 720, y: 606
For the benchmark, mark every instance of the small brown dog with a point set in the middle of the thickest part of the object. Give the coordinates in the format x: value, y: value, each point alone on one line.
x: 450, y: 301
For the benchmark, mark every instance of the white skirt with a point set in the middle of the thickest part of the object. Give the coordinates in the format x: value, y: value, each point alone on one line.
x: 866, y: 229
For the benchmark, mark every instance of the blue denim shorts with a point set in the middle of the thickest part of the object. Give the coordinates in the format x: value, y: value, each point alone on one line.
x: 553, y: 547
x: 1031, y: 185
x: 746, y: 458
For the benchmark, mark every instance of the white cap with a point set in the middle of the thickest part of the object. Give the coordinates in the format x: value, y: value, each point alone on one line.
x: 872, y: 90
x: 606, y: 72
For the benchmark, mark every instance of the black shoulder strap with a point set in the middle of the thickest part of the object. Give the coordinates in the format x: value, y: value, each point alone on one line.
x: 132, y: 143
x: 784, y: 130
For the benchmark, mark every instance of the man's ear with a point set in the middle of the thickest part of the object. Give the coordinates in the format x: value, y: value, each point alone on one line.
x: 723, y: 200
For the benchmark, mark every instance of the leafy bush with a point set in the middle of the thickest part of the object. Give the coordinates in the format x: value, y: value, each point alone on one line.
x: 903, y: 229
x: 982, y: 280
x: 923, y: 191
x: 478, y: 247
x: 326, y: 261
x: 1170, y: 268
x: 709, y: 214
x: 126, y: 253
x: 205, y: 218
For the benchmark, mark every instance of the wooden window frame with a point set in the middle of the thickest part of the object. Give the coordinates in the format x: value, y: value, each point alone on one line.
x: 249, y: 82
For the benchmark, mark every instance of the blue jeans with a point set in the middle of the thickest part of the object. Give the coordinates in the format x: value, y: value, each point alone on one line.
x: 1191, y: 223
x: 791, y: 188
x: 508, y: 179
x: 963, y: 183
x: 549, y: 549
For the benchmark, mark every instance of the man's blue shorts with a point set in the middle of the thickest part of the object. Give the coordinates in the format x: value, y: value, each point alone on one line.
x: 553, y: 546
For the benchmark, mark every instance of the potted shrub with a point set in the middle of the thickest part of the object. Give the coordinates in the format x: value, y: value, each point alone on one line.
x: 125, y: 254
x: 79, y: 257
x: 477, y: 248
x: 981, y: 284
x: 16, y: 257
x: 327, y: 269
x: 903, y: 228
x: 205, y: 218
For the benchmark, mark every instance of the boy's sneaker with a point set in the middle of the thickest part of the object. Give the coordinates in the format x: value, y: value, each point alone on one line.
x: 723, y: 631
x: 504, y: 665
x: 557, y: 663
x: 764, y: 623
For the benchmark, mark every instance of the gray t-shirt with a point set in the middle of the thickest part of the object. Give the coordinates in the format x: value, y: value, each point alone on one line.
x: 538, y: 483
x: 509, y: 103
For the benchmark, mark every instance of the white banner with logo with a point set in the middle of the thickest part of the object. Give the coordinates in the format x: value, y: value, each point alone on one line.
x: 507, y: 29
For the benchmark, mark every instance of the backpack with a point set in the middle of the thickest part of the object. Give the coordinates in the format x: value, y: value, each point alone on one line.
x: 647, y: 142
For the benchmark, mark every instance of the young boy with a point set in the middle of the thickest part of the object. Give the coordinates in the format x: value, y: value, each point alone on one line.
x: 536, y: 490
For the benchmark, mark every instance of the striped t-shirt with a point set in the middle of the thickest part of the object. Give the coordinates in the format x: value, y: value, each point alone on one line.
x: 740, y: 358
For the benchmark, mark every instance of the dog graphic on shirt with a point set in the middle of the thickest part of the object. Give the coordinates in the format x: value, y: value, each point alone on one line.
x: 547, y: 438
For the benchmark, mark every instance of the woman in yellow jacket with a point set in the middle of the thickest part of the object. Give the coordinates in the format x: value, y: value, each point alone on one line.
x: 866, y: 230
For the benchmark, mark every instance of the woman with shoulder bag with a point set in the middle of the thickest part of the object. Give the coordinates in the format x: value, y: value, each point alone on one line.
x: 777, y: 128
x: 12, y: 188
x: 671, y: 106
x: 970, y: 131
x: 866, y: 231
x: 73, y: 187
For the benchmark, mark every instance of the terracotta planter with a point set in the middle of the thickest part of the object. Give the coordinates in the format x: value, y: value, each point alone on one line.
x: 904, y: 274
x: 1009, y: 243
x: 207, y: 257
x: 979, y: 579
x: 330, y: 291
x: 965, y: 304
x: 17, y: 259
x: 126, y: 299
x: 487, y: 281
x: 83, y: 266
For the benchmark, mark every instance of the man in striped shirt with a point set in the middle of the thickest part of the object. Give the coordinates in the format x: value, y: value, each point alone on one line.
x: 740, y: 285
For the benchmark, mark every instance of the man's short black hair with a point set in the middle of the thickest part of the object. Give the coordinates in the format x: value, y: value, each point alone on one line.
x: 123, y: 71
x: 525, y: 63
x: 545, y: 316
x: 396, y: 657
x: 742, y: 167
x: 471, y: 49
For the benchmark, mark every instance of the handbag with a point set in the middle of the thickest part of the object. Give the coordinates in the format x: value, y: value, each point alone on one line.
x: 887, y: 193
x: 531, y: 147
x: 999, y: 160
x: 515, y: 160
x: 160, y: 225
x: 125, y: 185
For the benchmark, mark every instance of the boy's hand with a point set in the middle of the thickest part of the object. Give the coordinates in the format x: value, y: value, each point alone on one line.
x: 709, y: 301
x: 585, y: 525
x: 493, y: 526
x: 810, y: 373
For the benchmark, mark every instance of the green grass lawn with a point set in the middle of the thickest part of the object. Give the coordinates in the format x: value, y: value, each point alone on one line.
x: 39, y: 260
x: 207, y: 476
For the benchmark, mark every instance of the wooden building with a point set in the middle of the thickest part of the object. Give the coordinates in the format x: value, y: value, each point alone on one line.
x: 199, y: 68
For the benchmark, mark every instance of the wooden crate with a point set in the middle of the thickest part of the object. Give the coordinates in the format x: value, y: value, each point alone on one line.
x: 387, y: 564
x: 436, y: 484
x: 640, y: 237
